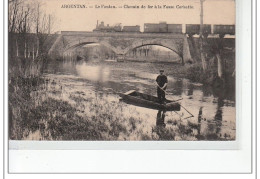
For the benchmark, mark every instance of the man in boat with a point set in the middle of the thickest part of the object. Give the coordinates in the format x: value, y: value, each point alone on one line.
x: 161, y: 81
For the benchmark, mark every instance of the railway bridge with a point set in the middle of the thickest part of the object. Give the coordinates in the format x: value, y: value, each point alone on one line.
x: 119, y: 42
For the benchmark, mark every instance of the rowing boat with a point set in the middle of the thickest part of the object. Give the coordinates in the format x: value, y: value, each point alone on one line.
x: 144, y: 100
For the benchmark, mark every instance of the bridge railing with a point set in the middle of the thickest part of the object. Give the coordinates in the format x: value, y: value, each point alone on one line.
x: 122, y: 34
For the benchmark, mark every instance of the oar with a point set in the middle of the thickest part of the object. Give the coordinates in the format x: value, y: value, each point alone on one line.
x: 162, y: 89
x: 177, y: 100
x: 187, y: 111
x: 168, y: 93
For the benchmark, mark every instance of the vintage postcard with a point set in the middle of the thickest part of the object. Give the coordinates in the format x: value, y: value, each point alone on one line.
x: 129, y: 70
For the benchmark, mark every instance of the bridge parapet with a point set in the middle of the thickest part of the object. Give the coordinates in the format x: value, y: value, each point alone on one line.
x: 122, y: 34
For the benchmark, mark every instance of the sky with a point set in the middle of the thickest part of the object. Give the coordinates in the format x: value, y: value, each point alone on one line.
x: 85, y: 19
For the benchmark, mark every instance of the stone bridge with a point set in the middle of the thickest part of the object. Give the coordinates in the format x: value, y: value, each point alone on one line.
x: 120, y: 42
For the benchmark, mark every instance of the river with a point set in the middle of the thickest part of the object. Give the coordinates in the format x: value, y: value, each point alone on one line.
x: 213, y: 112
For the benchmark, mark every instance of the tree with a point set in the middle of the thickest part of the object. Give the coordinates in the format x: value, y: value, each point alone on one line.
x: 14, y: 8
x: 140, y: 49
x: 179, y: 48
x: 202, y: 55
x: 216, y: 49
x: 24, y: 18
x: 146, y: 49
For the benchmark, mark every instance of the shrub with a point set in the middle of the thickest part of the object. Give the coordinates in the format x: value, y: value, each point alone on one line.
x: 196, y: 74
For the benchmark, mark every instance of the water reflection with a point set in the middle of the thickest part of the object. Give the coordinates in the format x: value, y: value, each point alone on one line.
x: 178, y: 87
x: 207, y: 90
x: 199, y: 120
x: 190, y: 90
x: 211, y: 128
x: 160, y: 118
x: 94, y: 73
x: 163, y: 132
x: 218, y: 116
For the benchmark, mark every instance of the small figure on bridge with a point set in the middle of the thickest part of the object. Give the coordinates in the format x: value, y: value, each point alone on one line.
x: 161, y: 81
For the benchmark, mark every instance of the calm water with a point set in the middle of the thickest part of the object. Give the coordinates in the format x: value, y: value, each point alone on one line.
x: 213, y: 110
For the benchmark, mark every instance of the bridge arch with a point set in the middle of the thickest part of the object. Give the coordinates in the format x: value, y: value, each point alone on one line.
x: 161, y: 43
x: 83, y: 42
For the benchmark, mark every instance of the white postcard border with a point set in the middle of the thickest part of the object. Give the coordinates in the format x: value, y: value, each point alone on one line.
x: 23, y: 160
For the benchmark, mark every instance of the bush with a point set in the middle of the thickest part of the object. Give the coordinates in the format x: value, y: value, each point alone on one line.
x: 196, y: 74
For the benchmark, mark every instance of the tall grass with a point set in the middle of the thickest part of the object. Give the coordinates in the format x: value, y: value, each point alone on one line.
x: 24, y: 78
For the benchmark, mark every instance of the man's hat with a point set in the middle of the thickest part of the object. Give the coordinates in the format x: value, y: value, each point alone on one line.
x: 161, y: 70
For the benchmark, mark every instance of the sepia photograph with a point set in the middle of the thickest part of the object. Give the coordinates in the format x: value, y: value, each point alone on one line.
x: 130, y: 70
